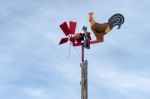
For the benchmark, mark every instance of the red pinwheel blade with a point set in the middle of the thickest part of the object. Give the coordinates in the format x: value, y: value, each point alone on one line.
x: 72, y: 26
x: 65, y: 28
x: 63, y: 40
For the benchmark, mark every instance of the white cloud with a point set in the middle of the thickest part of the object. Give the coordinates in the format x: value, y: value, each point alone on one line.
x: 35, y: 93
x: 123, y: 81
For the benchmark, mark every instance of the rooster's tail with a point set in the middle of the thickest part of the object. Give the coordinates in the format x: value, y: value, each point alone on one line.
x: 116, y: 19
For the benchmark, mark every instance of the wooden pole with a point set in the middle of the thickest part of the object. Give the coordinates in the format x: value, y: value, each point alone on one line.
x: 84, y: 80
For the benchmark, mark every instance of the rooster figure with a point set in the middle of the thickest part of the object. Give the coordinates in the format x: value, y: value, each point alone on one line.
x: 101, y: 29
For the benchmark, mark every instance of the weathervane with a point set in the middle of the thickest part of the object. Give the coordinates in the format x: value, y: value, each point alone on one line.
x: 84, y: 40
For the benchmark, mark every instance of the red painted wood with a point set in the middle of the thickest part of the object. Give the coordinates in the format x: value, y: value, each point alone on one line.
x: 82, y: 53
x: 96, y: 41
x: 65, y: 28
x: 63, y: 40
x: 91, y: 42
x: 72, y: 26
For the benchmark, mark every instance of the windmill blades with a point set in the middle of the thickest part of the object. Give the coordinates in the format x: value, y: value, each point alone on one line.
x: 63, y: 40
x: 116, y: 20
x: 72, y: 26
x: 65, y: 28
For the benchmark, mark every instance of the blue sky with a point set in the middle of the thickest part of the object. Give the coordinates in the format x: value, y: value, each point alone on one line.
x: 34, y: 66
